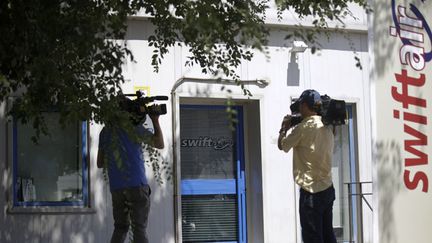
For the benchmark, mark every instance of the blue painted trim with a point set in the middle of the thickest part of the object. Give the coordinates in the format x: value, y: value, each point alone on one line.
x: 241, y: 180
x: 208, y: 187
x: 353, y: 166
x: 51, y: 204
x: 84, y: 148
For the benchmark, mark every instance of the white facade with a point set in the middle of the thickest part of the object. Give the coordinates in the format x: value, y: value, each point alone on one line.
x: 272, y: 195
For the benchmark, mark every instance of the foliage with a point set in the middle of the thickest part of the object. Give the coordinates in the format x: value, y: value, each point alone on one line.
x: 61, y: 53
x: 321, y: 11
x: 67, y: 55
x: 64, y: 53
x: 162, y: 170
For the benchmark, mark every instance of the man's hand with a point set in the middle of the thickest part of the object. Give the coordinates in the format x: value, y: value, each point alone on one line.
x: 157, y: 139
x: 100, y: 159
x: 286, y: 123
x: 154, y: 117
x: 285, y: 126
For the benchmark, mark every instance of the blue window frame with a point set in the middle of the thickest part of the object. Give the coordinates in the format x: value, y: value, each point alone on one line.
x: 215, y: 195
x: 53, y: 173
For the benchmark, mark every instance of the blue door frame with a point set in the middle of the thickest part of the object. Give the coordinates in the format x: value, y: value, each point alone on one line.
x: 225, y: 186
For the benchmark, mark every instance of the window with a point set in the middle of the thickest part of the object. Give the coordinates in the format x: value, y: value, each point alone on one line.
x: 54, y: 171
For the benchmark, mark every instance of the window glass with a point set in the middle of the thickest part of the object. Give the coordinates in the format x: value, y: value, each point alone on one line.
x: 51, y: 171
x: 341, y: 174
x: 210, y: 218
x: 207, y: 144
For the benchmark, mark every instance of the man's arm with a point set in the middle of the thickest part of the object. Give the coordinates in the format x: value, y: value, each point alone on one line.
x: 282, y: 134
x: 157, y: 138
x: 284, y: 128
x: 285, y: 143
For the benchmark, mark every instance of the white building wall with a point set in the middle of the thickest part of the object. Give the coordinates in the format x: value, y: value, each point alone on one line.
x: 332, y: 70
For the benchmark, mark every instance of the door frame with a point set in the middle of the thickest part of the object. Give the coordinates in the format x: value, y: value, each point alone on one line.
x: 202, y: 187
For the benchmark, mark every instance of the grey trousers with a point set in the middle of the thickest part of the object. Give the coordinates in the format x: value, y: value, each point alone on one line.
x: 131, y: 207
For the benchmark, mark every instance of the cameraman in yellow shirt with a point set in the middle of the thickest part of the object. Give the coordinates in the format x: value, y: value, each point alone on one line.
x: 312, y: 143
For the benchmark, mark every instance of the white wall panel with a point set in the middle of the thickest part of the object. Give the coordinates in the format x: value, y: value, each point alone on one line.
x: 332, y: 70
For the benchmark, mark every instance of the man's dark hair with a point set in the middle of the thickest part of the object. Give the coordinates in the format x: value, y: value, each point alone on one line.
x: 130, y: 107
x: 312, y: 99
x: 316, y: 107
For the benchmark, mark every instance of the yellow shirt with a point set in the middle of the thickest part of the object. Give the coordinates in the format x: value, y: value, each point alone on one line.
x: 312, y: 144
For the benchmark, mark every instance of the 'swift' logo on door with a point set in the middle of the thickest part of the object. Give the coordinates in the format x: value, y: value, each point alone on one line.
x: 220, y: 143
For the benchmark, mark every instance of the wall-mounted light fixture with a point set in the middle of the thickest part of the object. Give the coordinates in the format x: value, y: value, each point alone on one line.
x: 293, y: 72
x: 298, y: 47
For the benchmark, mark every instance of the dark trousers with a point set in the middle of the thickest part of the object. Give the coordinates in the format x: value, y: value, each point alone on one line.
x: 316, y: 216
x: 131, y: 207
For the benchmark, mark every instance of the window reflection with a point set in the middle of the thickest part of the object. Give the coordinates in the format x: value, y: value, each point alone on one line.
x: 50, y: 171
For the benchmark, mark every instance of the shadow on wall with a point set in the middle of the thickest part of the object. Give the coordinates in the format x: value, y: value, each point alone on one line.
x: 141, y: 30
x: 161, y: 218
x: 382, y: 49
x: 78, y: 227
x: 59, y: 228
x: 387, y: 154
x: 38, y: 227
x: 388, y: 159
x: 293, y: 74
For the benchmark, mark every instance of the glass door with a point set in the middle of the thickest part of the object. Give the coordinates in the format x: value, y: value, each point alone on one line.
x: 212, y: 175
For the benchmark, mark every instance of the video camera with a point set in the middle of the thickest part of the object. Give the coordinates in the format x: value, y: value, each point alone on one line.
x: 332, y: 112
x: 139, y: 107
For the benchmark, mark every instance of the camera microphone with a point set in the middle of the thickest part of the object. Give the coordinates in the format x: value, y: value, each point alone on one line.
x: 160, y: 97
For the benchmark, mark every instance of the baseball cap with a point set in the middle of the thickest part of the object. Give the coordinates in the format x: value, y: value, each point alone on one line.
x: 310, y: 96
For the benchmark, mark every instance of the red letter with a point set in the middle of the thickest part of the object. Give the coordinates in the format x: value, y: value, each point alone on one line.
x: 404, y: 97
x: 422, y: 158
x: 408, y: 116
x: 418, y: 176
